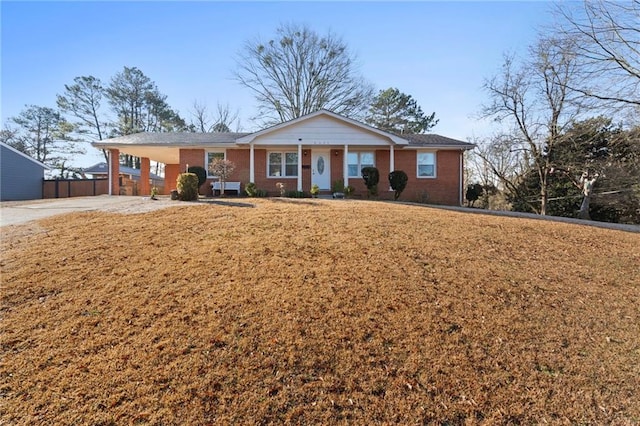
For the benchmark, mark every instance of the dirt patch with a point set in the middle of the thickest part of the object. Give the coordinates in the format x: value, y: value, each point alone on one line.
x: 318, y: 313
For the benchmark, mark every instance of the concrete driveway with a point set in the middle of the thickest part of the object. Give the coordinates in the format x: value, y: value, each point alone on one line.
x: 17, y: 212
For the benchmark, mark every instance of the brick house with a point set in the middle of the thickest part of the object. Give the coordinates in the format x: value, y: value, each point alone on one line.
x: 318, y: 148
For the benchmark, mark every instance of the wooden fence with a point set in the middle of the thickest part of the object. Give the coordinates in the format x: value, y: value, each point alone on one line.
x: 63, y: 188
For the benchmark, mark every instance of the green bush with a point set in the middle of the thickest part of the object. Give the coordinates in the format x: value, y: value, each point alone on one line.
x: 371, y: 177
x: 338, y: 186
x: 251, y: 189
x: 474, y: 192
x: 187, y: 185
x: 261, y: 193
x: 348, y: 190
x: 398, y: 181
x: 200, y: 172
x: 295, y: 194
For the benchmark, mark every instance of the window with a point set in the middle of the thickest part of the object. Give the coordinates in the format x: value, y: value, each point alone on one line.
x: 282, y: 164
x: 209, y: 157
x: 426, y: 164
x: 356, y: 161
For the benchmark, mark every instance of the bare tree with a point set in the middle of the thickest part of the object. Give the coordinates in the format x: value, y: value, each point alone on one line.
x: 532, y: 98
x: 299, y: 72
x: 605, y: 36
x: 205, y: 121
x: 201, y: 118
x: 224, y: 118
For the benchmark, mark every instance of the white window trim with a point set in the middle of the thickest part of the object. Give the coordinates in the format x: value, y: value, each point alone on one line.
x: 283, y: 164
x: 358, y: 153
x: 206, y: 160
x: 435, y: 165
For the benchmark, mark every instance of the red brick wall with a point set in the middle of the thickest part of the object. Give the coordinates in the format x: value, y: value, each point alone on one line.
x: 443, y: 189
x: 337, y: 165
x: 171, y: 172
x: 192, y: 157
x: 306, y: 170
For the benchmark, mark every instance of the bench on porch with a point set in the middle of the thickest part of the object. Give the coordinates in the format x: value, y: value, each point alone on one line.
x: 228, y: 186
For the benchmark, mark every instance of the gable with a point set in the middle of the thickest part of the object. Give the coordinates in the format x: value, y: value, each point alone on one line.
x: 321, y: 130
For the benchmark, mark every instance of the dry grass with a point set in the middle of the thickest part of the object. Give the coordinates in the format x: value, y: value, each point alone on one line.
x: 318, y: 312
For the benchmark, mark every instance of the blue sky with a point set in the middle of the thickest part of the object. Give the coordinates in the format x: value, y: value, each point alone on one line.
x: 438, y: 52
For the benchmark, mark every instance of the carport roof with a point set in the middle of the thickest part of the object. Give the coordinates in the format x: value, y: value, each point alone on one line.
x: 185, y: 139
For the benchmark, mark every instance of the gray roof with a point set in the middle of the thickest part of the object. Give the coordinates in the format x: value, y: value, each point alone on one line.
x: 431, y: 139
x: 174, y: 138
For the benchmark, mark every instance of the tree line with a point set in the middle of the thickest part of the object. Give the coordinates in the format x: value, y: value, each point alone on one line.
x: 297, y: 72
x: 569, y: 143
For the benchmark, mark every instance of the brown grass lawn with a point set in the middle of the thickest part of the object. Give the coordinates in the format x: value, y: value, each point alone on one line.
x: 318, y: 312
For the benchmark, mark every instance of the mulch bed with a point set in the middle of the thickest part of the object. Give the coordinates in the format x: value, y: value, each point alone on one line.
x: 318, y: 312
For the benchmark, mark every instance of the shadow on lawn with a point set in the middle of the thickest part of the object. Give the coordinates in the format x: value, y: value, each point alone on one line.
x: 227, y: 203
x: 294, y: 201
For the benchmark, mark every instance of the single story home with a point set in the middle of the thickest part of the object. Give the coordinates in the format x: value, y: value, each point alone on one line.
x: 20, y: 175
x: 319, y: 148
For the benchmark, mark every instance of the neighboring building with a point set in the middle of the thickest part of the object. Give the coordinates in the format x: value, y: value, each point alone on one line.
x: 20, y: 175
x: 129, y: 178
x: 319, y: 148
x: 101, y: 170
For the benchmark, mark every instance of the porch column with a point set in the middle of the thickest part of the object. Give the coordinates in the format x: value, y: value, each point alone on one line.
x: 392, y: 159
x: 252, y: 174
x: 392, y: 162
x: 145, y: 170
x: 345, y: 166
x: 114, y: 172
x: 299, y: 167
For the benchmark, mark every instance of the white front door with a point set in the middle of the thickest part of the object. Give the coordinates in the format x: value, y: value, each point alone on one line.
x: 321, y: 169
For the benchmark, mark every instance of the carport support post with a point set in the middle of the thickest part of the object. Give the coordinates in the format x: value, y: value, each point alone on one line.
x: 114, y: 172
x: 145, y: 169
x: 299, y: 167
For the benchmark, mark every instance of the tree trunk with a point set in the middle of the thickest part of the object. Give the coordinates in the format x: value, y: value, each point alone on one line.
x: 543, y: 200
x: 583, y: 213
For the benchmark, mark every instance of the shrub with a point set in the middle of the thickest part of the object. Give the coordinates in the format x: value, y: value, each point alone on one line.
x: 200, y: 172
x: 295, y: 194
x: 348, y: 190
x: 338, y: 186
x: 474, y: 192
x: 398, y: 181
x: 261, y: 193
x: 251, y: 189
x: 371, y: 177
x: 187, y: 184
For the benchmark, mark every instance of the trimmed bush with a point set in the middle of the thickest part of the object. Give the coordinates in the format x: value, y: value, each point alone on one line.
x: 187, y: 185
x: 200, y: 172
x: 251, y: 189
x: 371, y: 177
x: 474, y: 191
x: 398, y: 181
